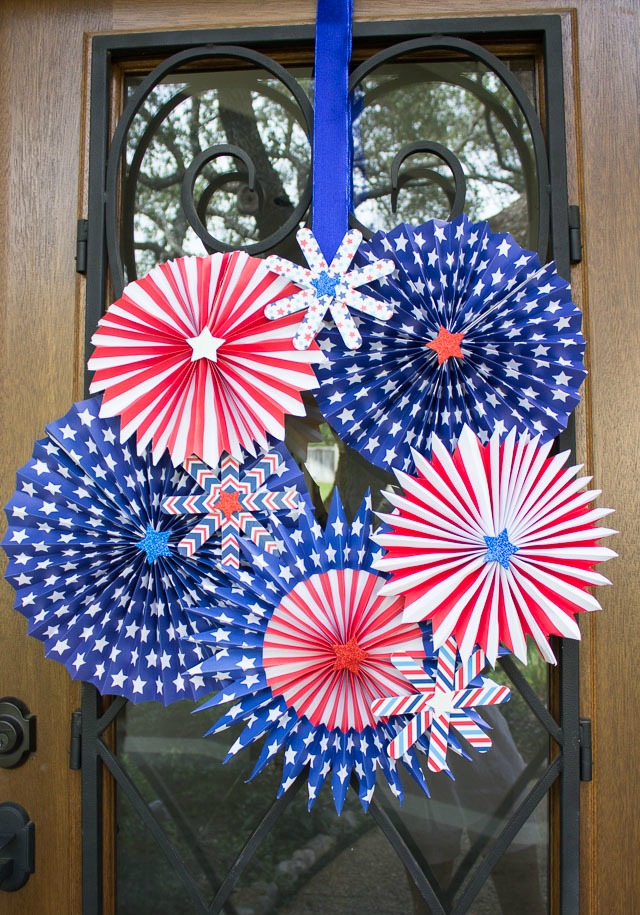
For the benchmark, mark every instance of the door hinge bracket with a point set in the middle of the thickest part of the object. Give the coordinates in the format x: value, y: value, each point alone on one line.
x: 75, y: 746
x: 586, y: 755
x: 575, y: 235
x: 82, y: 234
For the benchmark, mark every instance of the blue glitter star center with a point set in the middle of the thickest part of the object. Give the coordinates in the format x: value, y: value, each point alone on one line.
x: 154, y: 544
x: 499, y: 549
x: 325, y: 284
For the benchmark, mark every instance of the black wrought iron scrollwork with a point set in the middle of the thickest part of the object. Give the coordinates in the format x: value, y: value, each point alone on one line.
x: 535, y: 166
x: 196, y: 214
x: 250, y: 200
x: 455, y: 194
x: 120, y: 242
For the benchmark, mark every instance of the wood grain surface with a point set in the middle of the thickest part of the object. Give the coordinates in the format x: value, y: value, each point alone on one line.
x: 42, y: 133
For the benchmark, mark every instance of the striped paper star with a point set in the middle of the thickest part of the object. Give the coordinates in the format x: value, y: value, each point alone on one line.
x: 329, y: 287
x: 231, y: 502
x: 443, y: 700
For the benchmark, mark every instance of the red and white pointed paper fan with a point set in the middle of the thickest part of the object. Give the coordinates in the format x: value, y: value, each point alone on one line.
x: 494, y: 543
x: 189, y: 362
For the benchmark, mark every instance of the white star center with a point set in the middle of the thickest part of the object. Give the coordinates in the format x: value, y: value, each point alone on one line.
x: 443, y: 701
x: 205, y: 346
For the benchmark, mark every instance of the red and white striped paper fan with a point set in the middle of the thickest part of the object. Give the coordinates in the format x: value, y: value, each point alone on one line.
x: 328, y: 646
x: 189, y: 362
x: 494, y: 543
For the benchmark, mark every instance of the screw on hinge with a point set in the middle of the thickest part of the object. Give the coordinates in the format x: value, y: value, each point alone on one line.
x: 586, y: 756
x: 82, y: 235
x: 75, y: 758
x: 575, y: 235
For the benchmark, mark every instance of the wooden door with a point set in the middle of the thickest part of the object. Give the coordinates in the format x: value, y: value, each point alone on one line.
x: 44, y: 64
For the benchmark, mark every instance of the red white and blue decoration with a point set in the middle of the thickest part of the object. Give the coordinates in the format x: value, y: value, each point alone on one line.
x: 303, y: 646
x: 192, y: 563
x: 234, y: 501
x: 95, y: 562
x: 445, y: 697
x: 188, y: 361
x: 480, y: 334
x: 494, y: 543
x: 329, y: 287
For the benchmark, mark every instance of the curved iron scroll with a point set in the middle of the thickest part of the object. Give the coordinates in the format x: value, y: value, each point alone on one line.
x: 121, y: 256
x: 195, y: 215
x: 456, y: 198
x: 537, y: 184
x: 134, y: 105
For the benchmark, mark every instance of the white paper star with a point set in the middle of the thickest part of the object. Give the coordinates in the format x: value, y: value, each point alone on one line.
x: 205, y: 346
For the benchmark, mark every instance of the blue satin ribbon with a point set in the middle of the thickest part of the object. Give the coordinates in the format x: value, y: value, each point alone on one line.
x: 332, y: 125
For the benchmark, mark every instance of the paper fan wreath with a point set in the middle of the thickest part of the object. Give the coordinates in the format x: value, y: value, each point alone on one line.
x: 303, y: 647
x: 189, y: 362
x: 480, y: 334
x: 445, y: 697
x: 237, y: 501
x: 95, y: 562
x: 494, y: 543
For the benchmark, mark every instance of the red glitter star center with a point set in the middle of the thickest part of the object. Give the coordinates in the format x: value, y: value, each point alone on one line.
x: 349, y: 656
x: 446, y: 345
x: 228, y: 503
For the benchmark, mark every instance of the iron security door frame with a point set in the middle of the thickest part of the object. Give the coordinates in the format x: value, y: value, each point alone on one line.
x: 104, y: 273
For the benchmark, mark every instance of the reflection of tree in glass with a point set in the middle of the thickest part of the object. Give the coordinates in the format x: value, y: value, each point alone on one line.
x: 463, y: 106
x: 179, y: 121
x: 208, y: 812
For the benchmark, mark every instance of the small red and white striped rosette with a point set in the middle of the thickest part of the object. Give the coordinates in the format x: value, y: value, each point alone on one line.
x: 188, y: 361
x: 328, y: 646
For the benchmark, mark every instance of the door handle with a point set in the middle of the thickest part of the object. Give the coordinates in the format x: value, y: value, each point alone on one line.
x: 17, y: 847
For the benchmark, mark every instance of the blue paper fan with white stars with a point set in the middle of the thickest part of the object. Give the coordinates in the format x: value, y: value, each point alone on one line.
x: 481, y: 335
x: 95, y: 562
x: 302, y: 647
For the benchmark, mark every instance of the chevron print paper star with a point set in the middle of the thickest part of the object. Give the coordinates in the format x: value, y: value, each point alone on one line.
x: 329, y: 288
x: 443, y: 700
x: 231, y: 502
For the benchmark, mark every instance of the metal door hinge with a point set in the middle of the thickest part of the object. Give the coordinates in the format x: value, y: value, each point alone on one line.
x: 75, y: 746
x: 82, y: 233
x: 586, y: 756
x: 575, y: 235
